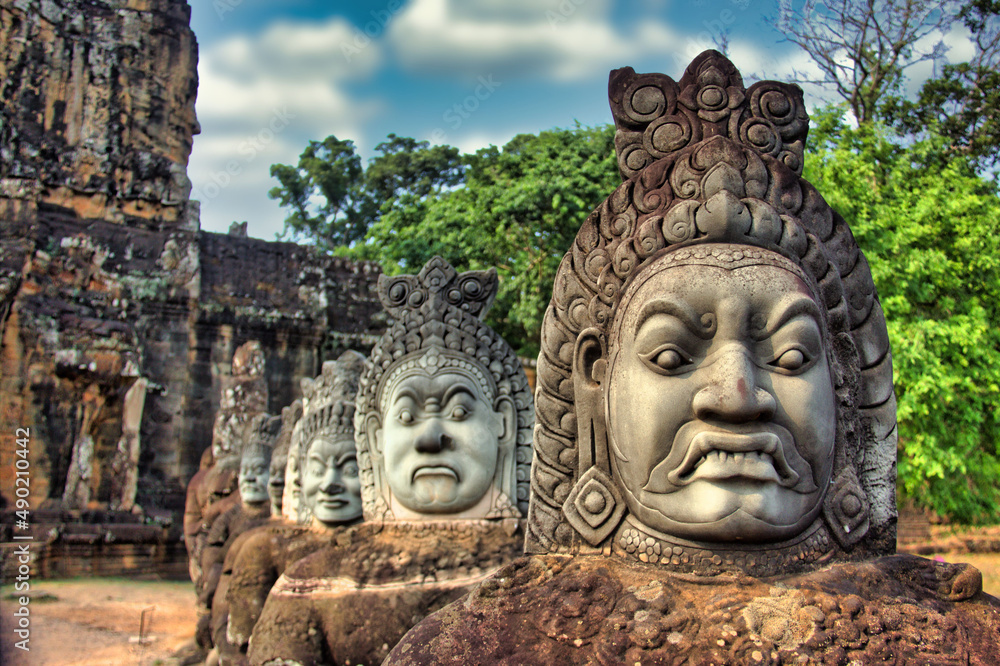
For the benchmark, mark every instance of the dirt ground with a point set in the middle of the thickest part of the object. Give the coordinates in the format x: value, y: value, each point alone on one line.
x: 91, y: 622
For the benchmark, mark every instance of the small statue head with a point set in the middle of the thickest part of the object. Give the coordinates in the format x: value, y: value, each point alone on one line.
x: 327, y: 458
x: 244, y: 396
x: 444, y: 407
x: 255, y: 462
x: 222, y: 479
x: 715, y: 383
x: 279, y: 457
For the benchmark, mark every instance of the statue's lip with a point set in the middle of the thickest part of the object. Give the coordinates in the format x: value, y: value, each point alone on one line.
x: 753, y: 454
x: 435, y: 470
x: 332, y: 501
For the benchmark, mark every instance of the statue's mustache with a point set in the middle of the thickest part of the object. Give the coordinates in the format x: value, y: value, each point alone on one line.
x: 757, y: 444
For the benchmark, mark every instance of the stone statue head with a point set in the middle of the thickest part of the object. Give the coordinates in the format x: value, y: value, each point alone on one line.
x: 444, y: 409
x: 715, y: 382
x: 279, y: 457
x: 255, y: 462
x: 222, y: 479
x: 244, y: 396
x: 327, y: 458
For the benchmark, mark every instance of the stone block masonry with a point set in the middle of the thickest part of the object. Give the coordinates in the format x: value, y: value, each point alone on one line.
x: 118, y: 315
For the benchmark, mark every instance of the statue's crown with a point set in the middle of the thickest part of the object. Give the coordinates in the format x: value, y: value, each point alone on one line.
x: 656, y: 116
x: 263, y: 436
x: 329, y: 398
x: 436, y: 285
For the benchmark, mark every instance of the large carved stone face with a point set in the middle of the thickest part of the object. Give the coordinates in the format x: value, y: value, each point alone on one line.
x: 253, y: 478
x: 440, y: 436
x: 330, y: 481
x: 720, y: 404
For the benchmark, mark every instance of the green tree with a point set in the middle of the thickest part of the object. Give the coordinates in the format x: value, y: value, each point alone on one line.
x: 334, y: 201
x: 930, y: 228
x: 963, y: 103
x: 519, y: 210
x: 863, y: 48
x: 329, y: 170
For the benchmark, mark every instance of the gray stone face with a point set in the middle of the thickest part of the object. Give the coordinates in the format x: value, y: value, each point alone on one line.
x: 715, y: 383
x: 326, y: 458
x: 444, y: 410
x: 255, y: 463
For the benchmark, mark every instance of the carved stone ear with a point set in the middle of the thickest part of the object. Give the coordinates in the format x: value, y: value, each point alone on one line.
x: 373, y: 432
x: 589, y: 363
x: 504, y: 406
x: 595, y: 505
x: 846, y: 508
x: 589, y: 358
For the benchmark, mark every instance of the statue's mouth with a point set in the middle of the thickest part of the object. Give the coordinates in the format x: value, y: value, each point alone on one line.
x: 718, y: 454
x: 435, y: 471
x: 332, y: 502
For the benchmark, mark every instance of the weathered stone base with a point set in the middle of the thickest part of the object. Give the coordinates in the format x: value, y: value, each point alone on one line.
x: 605, y: 610
x: 67, y: 550
x: 350, y: 602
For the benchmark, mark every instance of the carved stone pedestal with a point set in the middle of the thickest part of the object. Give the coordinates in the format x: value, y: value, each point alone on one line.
x: 605, y: 610
x: 350, y: 602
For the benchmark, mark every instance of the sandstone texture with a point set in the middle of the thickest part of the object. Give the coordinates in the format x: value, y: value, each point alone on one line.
x: 350, y: 602
x: 118, y: 316
x: 264, y: 554
x: 601, y: 610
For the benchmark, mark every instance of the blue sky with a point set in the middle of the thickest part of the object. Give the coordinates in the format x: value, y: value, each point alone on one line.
x: 470, y: 73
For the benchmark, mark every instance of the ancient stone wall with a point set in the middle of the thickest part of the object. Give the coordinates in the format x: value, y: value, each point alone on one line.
x: 118, y: 316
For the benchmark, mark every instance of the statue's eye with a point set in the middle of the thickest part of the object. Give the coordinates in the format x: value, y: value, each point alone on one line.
x: 459, y: 413
x: 791, y: 360
x: 406, y: 417
x: 350, y: 469
x: 666, y: 359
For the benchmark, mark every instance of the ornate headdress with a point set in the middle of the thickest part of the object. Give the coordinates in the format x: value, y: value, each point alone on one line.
x: 263, y: 436
x: 437, y: 325
x: 706, y: 161
x: 244, y: 395
x: 328, y: 406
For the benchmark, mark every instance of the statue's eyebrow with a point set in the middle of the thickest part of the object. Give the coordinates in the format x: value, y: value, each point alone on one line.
x: 791, y: 306
x: 345, y: 456
x: 454, y: 390
x: 406, y: 392
x: 679, y: 310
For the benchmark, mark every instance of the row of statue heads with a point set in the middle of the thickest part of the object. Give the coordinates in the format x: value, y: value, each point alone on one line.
x: 714, y: 367
x: 714, y: 387
x: 437, y: 424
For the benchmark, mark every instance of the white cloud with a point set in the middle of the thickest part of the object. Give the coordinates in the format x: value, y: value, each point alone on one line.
x: 261, y: 98
x: 564, y: 40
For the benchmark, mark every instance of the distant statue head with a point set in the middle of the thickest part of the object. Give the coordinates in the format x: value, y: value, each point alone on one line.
x: 715, y: 383
x: 327, y: 459
x: 444, y: 409
x: 279, y: 457
x: 222, y: 479
x: 244, y: 396
x: 255, y: 462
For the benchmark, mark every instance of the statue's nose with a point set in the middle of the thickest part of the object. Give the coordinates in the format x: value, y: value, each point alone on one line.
x: 732, y: 390
x: 432, y: 438
x: 332, y: 481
